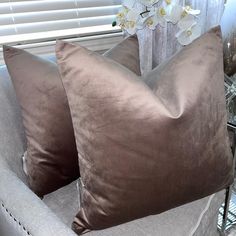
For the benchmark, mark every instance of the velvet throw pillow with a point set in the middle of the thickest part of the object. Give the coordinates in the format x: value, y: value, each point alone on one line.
x: 144, y: 150
x: 52, y: 158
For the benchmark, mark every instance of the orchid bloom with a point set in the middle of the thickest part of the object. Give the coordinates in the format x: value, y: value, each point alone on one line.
x: 189, y: 29
x: 186, y: 22
x: 186, y: 36
x: 187, y: 10
x: 161, y: 15
x: 133, y: 21
x: 159, y: 12
x: 148, y: 3
x: 173, y: 11
x: 151, y: 22
x: 176, y: 12
x: 155, y: 16
x: 121, y: 17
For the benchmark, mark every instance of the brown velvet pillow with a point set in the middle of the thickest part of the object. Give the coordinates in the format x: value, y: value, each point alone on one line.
x: 126, y: 54
x: 52, y: 159
x: 140, y: 152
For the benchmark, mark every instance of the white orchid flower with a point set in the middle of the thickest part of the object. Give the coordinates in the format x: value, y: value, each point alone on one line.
x: 173, y: 11
x: 148, y: 3
x: 161, y: 15
x: 157, y: 12
x: 190, y: 11
x: 155, y: 16
x: 187, y: 22
x: 133, y: 23
x: 121, y: 17
x: 150, y: 21
x: 168, y: 2
x: 186, y: 36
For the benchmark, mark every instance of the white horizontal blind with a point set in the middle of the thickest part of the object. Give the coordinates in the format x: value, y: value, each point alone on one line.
x: 38, y: 20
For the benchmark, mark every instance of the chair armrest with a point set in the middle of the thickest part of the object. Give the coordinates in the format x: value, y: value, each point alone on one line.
x: 23, y: 213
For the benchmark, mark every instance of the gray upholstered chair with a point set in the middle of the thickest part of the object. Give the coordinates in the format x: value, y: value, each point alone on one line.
x: 23, y: 213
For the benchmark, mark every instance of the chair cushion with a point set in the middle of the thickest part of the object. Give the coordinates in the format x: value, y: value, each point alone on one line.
x: 189, y: 219
x: 12, y: 136
x: 64, y: 202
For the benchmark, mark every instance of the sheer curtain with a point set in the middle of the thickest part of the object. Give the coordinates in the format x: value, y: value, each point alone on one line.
x: 156, y: 46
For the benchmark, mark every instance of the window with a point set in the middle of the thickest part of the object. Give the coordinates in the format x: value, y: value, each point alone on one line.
x: 27, y: 21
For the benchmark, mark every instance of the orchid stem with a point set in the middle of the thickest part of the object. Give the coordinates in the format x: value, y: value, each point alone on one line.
x: 146, y: 11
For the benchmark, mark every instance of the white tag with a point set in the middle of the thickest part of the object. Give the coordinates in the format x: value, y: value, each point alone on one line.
x: 24, y: 160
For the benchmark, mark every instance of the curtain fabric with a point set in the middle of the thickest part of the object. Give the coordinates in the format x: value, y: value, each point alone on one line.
x: 158, y: 45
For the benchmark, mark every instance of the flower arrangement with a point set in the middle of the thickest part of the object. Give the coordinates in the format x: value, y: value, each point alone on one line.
x: 159, y: 12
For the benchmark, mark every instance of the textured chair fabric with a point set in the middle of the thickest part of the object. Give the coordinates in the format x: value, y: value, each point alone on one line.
x: 198, y: 218
x: 12, y: 139
x: 22, y: 211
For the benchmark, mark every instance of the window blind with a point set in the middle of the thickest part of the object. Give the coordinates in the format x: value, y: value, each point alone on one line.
x: 40, y: 20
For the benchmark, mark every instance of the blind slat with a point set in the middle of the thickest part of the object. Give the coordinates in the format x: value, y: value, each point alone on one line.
x: 21, y: 18
x: 40, y: 36
x: 49, y: 5
x: 7, y: 1
x: 56, y: 25
x: 26, y: 17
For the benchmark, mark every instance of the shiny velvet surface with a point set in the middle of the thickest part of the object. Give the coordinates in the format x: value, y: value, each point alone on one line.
x: 127, y: 54
x: 52, y: 159
x: 51, y: 150
x: 147, y: 147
